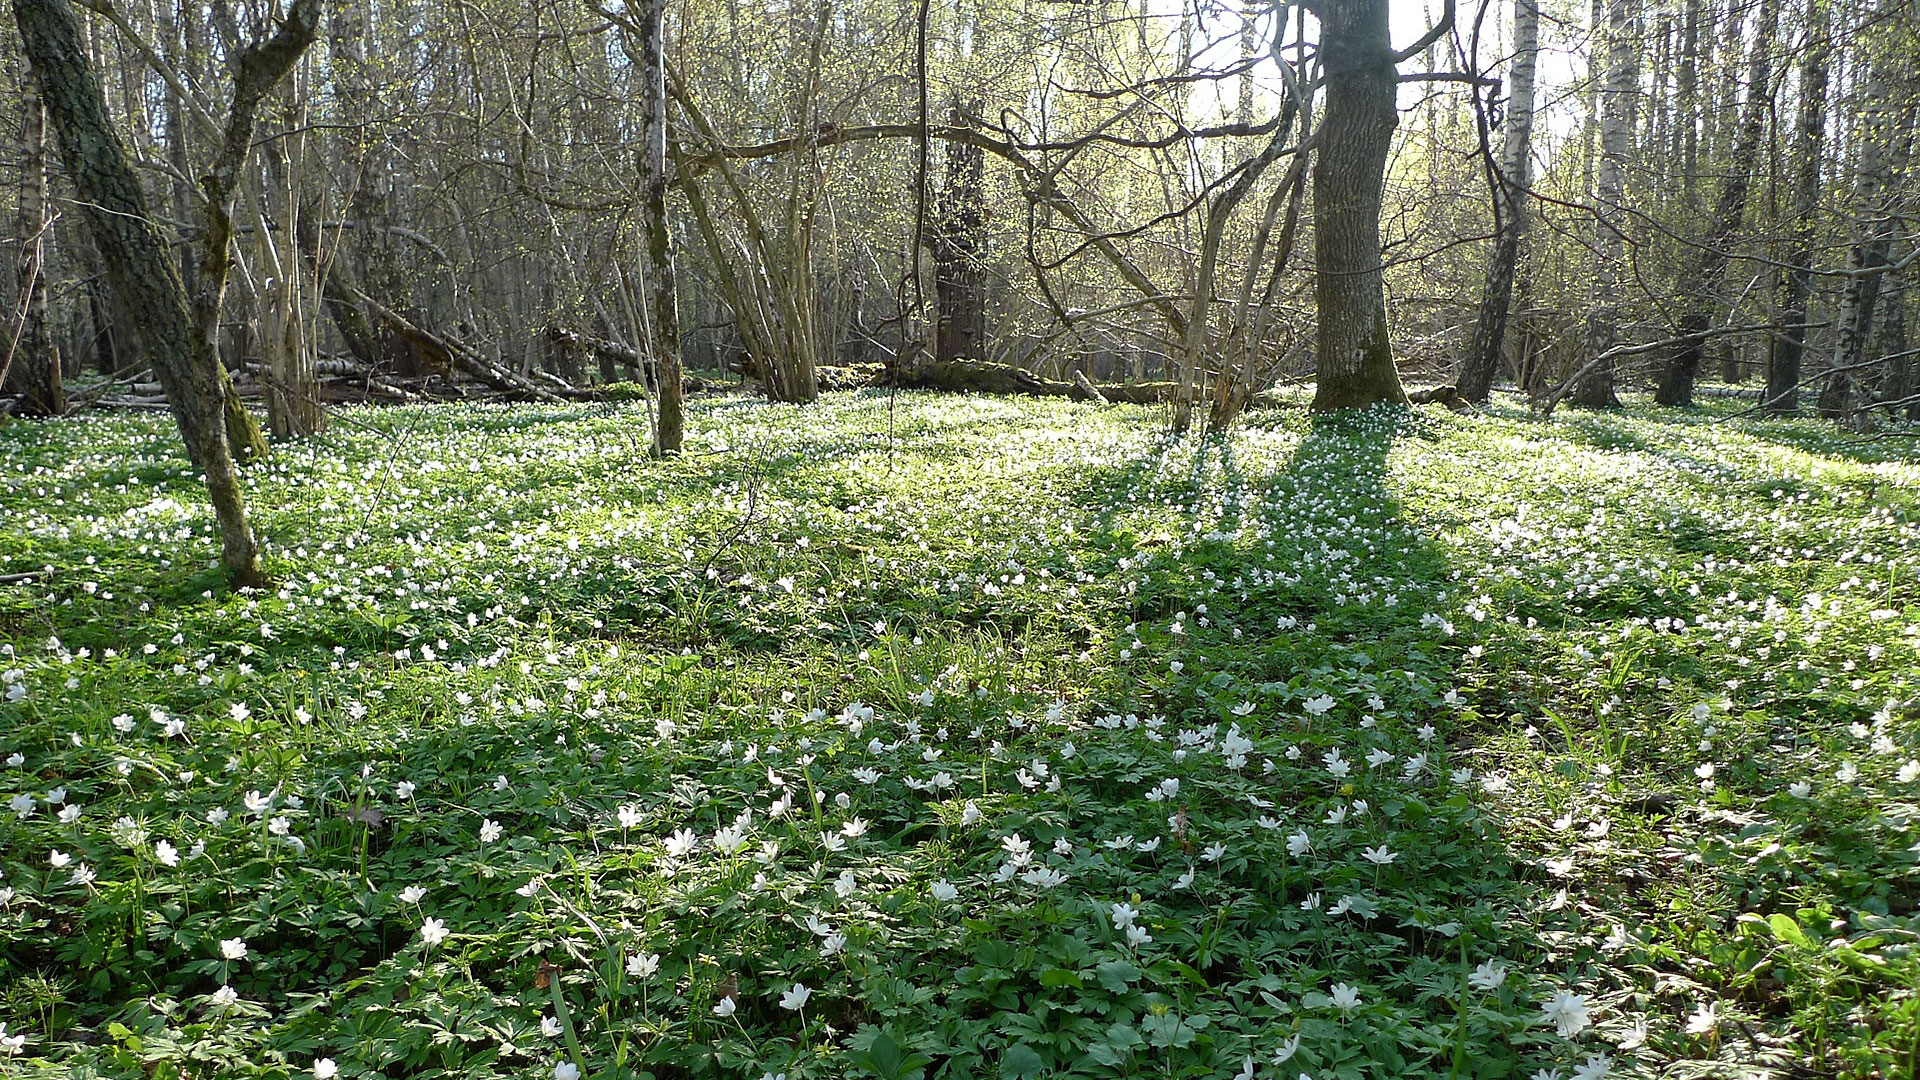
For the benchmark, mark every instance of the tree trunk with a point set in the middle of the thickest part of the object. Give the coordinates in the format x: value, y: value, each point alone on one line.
x: 138, y: 263
x: 1885, y: 136
x: 1890, y: 342
x: 662, y: 318
x: 1595, y: 390
x: 1355, y: 355
x: 959, y: 241
x: 1787, y: 347
x: 293, y: 386
x: 29, y: 360
x: 257, y: 69
x: 367, y: 249
x: 1513, y: 177
x: 1702, y: 287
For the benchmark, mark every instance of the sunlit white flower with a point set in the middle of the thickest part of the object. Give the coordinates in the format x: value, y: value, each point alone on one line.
x: 1489, y: 976
x: 433, y: 931
x: 795, y: 997
x: 1567, y: 1012
x: 1596, y: 1068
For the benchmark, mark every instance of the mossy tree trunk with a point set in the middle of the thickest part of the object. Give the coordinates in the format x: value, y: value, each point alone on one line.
x: 138, y: 264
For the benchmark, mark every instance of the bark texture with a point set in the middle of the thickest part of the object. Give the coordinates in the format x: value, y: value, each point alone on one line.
x: 29, y: 361
x: 1595, y: 390
x: 1886, y: 138
x: 1513, y: 177
x: 1355, y: 353
x: 138, y: 263
x: 1702, y: 287
x: 1787, y: 348
x: 662, y: 318
x: 959, y: 242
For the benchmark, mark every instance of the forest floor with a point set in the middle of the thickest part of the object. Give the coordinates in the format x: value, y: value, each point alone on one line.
x: 947, y: 737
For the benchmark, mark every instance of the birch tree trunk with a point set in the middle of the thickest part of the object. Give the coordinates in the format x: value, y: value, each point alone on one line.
x: 1514, y: 176
x: 1885, y: 135
x: 1596, y: 390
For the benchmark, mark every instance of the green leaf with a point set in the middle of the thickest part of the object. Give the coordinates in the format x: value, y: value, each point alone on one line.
x: 1116, y: 975
x: 885, y: 1058
x: 1021, y: 1060
x: 1787, y: 930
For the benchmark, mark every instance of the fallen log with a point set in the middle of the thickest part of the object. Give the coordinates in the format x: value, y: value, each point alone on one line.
x: 452, y: 353
x: 1088, y: 391
x: 986, y: 377
x: 1441, y: 395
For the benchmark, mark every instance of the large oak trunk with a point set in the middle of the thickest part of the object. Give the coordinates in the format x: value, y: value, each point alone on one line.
x: 1355, y: 354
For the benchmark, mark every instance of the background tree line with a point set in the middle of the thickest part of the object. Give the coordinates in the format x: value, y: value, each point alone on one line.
x: 550, y: 195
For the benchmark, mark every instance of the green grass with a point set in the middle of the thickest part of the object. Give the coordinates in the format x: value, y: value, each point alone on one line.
x: 1029, y: 740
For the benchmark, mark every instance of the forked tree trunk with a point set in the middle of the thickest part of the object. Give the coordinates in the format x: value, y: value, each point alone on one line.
x: 138, y: 263
x: 1702, y: 287
x: 1355, y: 353
x: 1595, y: 390
x: 1787, y: 347
x: 29, y: 360
x: 1510, y: 207
x: 257, y: 69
